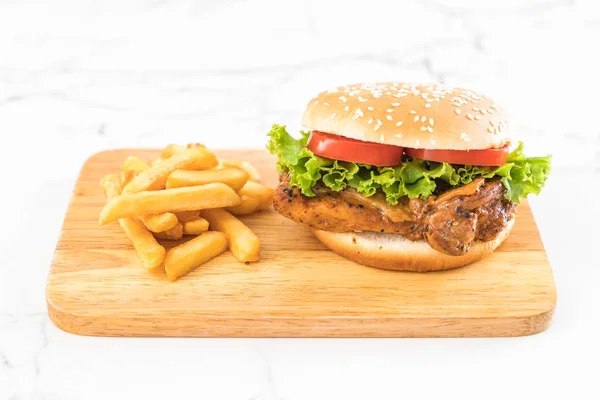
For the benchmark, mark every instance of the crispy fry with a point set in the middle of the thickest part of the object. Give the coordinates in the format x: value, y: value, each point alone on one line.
x: 134, y: 165
x: 185, y: 216
x: 243, y: 243
x: 175, y: 233
x: 159, y: 222
x: 233, y: 177
x: 245, y: 165
x: 147, y: 248
x: 188, y: 256
x: 172, y: 149
x: 212, y: 195
x: 247, y: 206
x: 156, y: 160
x: 156, y: 176
x: 263, y: 193
x: 195, y: 227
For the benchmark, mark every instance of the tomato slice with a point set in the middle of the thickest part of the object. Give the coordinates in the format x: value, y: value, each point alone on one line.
x: 352, y: 150
x: 487, y: 157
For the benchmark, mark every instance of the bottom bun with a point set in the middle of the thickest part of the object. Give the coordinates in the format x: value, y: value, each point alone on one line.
x: 395, y: 252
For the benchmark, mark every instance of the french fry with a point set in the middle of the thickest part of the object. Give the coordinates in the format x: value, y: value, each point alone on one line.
x: 213, y: 195
x: 247, y: 206
x: 174, y: 233
x: 159, y: 222
x: 233, y: 177
x: 150, y: 252
x: 134, y: 165
x: 172, y: 149
x: 156, y: 160
x: 188, y: 256
x: 195, y: 227
x: 243, y: 243
x: 263, y: 193
x: 245, y: 165
x: 185, y: 216
x: 156, y: 176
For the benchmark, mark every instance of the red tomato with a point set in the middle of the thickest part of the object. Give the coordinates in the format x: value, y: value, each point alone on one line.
x: 352, y: 150
x: 487, y: 157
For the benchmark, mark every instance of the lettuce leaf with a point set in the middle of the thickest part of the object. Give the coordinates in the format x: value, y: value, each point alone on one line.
x: 414, y: 178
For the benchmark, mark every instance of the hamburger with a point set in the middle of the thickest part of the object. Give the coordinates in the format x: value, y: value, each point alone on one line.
x: 404, y: 176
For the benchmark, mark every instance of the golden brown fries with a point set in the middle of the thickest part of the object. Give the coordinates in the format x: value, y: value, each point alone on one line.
x: 195, y: 227
x: 174, y: 233
x: 185, y: 216
x: 262, y: 193
x: 186, y: 191
x: 245, y: 165
x: 243, y: 243
x: 247, y: 206
x: 213, y: 195
x: 186, y: 257
x: 159, y: 222
x: 150, y: 252
x: 155, y: 177
x: 233, y: 177
x: 172, y: 149
x: 134, y: 165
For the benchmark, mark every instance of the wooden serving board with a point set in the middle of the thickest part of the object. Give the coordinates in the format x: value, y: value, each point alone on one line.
x: 299, y: 288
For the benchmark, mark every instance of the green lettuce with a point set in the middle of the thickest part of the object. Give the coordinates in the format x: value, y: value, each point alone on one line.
x: 415, y: 178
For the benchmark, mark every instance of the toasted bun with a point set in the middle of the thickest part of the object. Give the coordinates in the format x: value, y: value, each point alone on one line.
x: 394, y: 252
x: 427, y: 116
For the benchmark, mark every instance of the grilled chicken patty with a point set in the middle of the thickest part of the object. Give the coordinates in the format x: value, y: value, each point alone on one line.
x: 450, y: 222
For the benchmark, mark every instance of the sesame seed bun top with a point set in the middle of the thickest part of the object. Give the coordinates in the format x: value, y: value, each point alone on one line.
x: 428, y: 116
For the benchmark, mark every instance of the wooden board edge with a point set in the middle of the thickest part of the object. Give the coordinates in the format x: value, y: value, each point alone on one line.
x: 290, y: 327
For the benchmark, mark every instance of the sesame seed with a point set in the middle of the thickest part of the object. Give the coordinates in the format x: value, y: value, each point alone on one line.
x: 377, y: 128
x: 423, y: 128
x: 326, y: 103
x: 475, y: 108
x: 463, y: 135
x: 361, y: 99
x: 316, y: 102
x: 457, y: 111
x: 388, y: 117
x: 416, y: 118
x: 399, y: 123
x: 370, y: 108
x: 333, y: 115
x: 382, y: 138
x: 470, y: 116
x: 399, y: 136
x: 430, y: 129
x: 347, y: 108
x: 483, y: 111
x: 412, y: 112
x: 389, y: 110
x: 493, y: 106
x: 478, y: 117
x: 467, y: 139
x: 326, y: 119
x: 423, y: 118
x: 431, y: 121
x: 355, y: 116
x: 359, y: 112
x: 370, y: 121
x: 418, y: 142
x: 343, y: 98
x: 490, y: 129
x: 427, y: 105
x: 491, y: 123
x: 395, y: 104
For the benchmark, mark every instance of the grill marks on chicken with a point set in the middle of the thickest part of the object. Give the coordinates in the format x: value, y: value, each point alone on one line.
x: 450, y: 223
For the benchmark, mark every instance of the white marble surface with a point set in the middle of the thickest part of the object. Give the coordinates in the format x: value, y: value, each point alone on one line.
x: 81, y: 76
